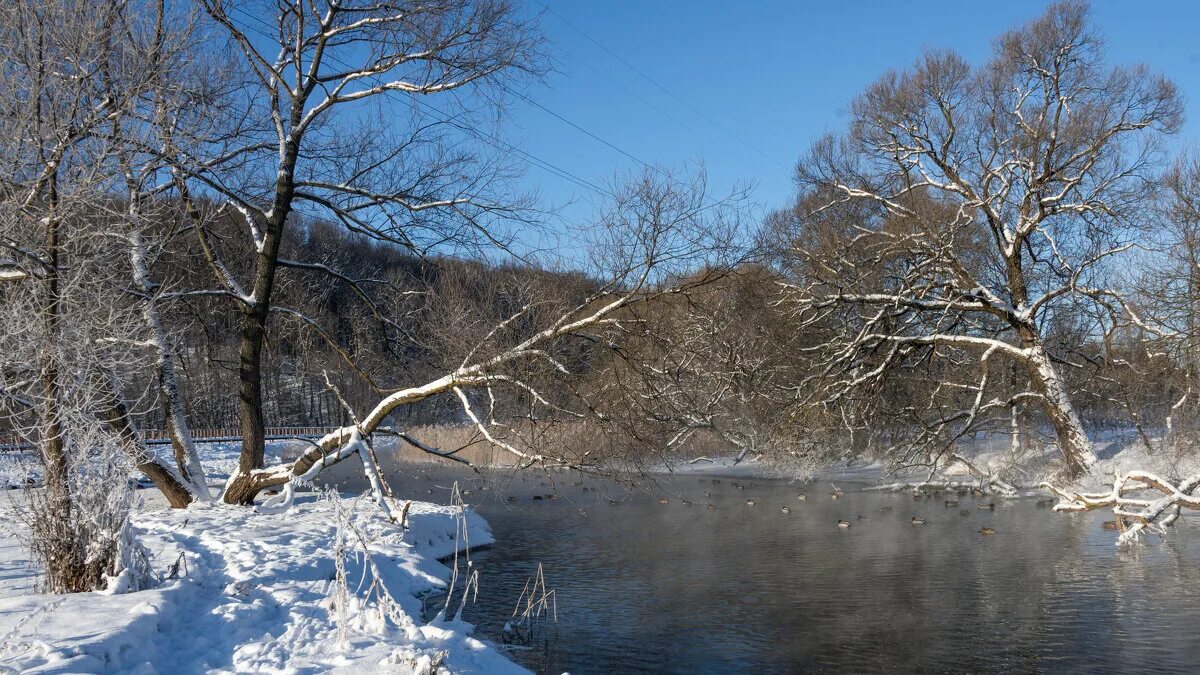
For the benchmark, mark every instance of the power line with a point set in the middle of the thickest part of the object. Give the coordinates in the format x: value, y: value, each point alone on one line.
x: 650, y: 167
x: 560, y: 171
x: 575, y: 126
x: 649, y: 104
x: 543, y: 164
x: 664, y: 89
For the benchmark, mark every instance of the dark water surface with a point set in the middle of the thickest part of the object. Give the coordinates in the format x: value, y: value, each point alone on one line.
x: 649, y: 587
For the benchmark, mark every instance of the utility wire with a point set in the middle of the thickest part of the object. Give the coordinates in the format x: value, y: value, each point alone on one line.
x: 489, y: 137
x: 664, y: 89
x: 443, y: 117
x: 649, y: 104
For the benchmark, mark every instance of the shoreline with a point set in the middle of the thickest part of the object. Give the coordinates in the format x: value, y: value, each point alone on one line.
x: 256, y: 592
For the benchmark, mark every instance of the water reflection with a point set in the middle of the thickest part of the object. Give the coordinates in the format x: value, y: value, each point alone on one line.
x: 646, y: 586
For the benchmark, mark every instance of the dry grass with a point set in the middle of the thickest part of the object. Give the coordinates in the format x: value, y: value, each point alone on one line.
x: 581, y: 442
x: 466, y: 440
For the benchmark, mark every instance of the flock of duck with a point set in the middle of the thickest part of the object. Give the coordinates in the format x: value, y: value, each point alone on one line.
x: 917, y: 521
x: 836, y: 494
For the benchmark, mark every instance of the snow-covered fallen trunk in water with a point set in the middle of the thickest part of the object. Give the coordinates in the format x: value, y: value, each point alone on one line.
x: 942, y: 480
x: 998, y: 488
x: 1136, y: 514
x: 253, y: 593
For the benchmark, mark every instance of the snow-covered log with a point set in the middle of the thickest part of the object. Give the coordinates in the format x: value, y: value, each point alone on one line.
x: 1134, y: 503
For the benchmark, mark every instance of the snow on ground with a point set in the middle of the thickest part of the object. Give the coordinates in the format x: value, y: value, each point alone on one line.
x: 255, y: 594
x: 1117, y: 450
x: 221, y: 458
x: 725, y: 466
x: 20, y: 468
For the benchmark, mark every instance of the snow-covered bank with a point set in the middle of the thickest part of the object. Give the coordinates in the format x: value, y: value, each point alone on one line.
x: 727, y: 466
x: 1119, y: 451
x: 253, y: 593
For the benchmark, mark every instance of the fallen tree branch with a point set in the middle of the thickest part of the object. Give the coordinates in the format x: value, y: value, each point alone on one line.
x: 1135, y: 513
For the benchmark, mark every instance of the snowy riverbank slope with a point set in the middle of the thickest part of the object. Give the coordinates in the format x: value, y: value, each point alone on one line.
x: 254, y: 593
x: 1118, y: 451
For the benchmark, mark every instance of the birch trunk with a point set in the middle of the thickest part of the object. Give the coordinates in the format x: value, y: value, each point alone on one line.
x: 187, y: 459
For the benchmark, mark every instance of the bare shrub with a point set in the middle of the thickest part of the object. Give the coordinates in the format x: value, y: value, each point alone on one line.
x: 81, y: 540
x: 369, y: 607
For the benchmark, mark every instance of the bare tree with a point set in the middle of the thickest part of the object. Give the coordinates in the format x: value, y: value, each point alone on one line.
x: 77, y: 70
x: 712, y: 371
x: 966, y: 211
x: 167, y: 50
x: 180, y: 139
x: 309, y: 140
x: 524, y: 366
x: 1171, y: 293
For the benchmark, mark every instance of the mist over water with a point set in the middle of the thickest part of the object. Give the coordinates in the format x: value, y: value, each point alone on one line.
x: 649, y: 587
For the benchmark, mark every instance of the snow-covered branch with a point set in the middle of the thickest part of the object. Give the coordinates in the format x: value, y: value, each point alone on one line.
x: 1132, y: 501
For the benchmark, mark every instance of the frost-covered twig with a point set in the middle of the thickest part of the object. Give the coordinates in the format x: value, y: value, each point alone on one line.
x: 462, y: 542
x: 369, y: 609
x: 535, y: 603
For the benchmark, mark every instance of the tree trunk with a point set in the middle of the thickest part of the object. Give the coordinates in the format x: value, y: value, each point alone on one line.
x: 116, y: 415
x: 250, y: 399
x: 53, y: 434
x: 250, y: 412
x: 1073, y: 442
x: 243, y: 487
x: 1014, y: 427
x: 254, y: 329
x: 239, y: 488
x: 187, y: 459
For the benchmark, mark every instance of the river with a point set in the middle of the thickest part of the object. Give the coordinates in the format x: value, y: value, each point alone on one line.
x: 645, y: 586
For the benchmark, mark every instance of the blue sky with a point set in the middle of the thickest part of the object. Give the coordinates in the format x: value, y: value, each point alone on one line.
x: 777, y: 74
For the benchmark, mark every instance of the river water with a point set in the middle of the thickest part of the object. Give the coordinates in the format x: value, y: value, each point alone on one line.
x: 643, y: 586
